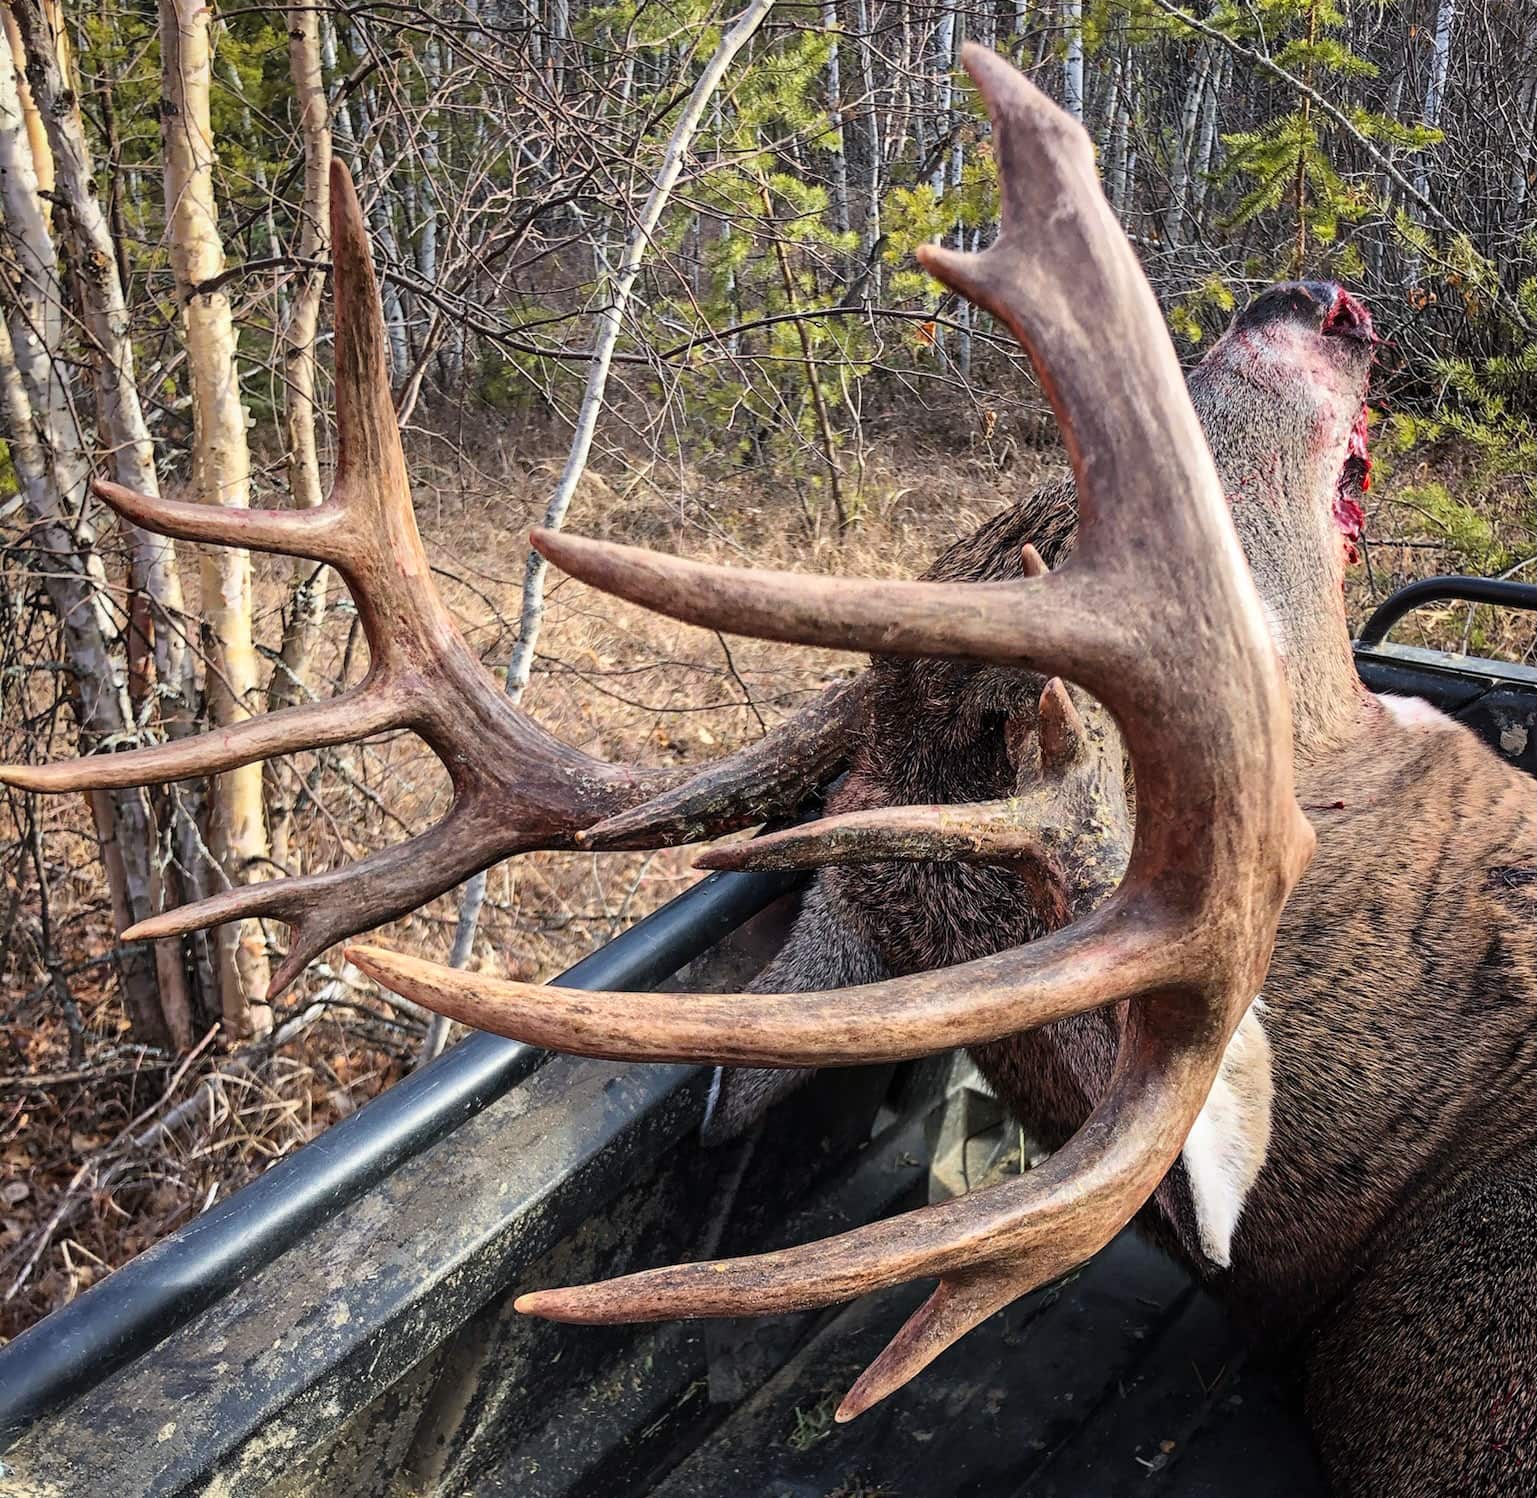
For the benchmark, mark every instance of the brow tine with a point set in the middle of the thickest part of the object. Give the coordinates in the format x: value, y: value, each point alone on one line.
x: 961, y: 832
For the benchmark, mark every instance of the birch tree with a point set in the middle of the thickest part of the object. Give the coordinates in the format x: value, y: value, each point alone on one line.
x: 307, y: 593
x: 1072, y: 68
x: 221, y: 474
x: 52, y: 463
x: 105, y: 312
x: 1183, y: 148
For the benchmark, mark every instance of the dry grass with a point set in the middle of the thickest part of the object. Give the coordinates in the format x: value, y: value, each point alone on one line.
x: 106, y: 1148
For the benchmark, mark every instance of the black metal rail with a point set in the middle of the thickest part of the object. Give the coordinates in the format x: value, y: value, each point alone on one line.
x: 1499, y: 591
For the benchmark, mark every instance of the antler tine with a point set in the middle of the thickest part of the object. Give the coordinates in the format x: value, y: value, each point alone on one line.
x: 1176, y: 650
x: 988, y: 1247
x: 313, y: 725
x: 1067, y: 820
x: 323, y: 909
x: 1123, y: 949
x: 1064, y: 618
x: 370, y: 461
x: 963, y: 832
x: 516, y: 787
x: 320, y: 533
x: 801, y: 751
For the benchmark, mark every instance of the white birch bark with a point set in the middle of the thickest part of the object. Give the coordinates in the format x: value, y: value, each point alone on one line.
x: 93, y: 256
x: 1118, y: 174
x: 1206, y: 145
x: 1435, y: 88
x: 1526, y: 117
x: 944, y: 58
x: 305, y: 613
x: 874, y: 148
x: 48, y: 453
x: 221, y: 474
x: 1072, y: 68
x: 1182, y: 150
x: 840, y: 162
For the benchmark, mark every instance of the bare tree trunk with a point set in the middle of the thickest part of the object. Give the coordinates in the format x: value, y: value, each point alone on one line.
x: 1072, y: 69
x: 307, y: 592
x: 835, y: 119
x: 1207, y: 143
x: 93, y: 256
x: 941, y: 63
x: 1179, y: 161
x: 82, y: 224
x: 875, y: 147
x: 1119, y: 173
x: 51, y: 460
x: 1526, y: 129
x: 220, y: 475
x: 37, y: 134
x: 1435, y: 89
x: 611, y: 320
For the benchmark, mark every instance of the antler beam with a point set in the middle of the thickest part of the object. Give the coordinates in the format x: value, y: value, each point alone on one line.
x: 515, y: 786
x: 1157, y: 616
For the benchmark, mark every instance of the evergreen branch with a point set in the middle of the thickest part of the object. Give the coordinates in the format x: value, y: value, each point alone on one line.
x: 1268, y: 64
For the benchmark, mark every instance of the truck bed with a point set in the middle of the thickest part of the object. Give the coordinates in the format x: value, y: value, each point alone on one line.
x: 344, y: 1325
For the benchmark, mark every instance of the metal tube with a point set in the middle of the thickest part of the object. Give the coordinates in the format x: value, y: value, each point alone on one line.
x: 1499, y: 591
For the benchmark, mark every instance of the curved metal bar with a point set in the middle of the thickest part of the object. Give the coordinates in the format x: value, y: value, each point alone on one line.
x: 1500, y: 591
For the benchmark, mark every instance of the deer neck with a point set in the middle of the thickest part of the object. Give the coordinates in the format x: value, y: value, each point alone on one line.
x: 1299, y: 572
x: 1280, y: 466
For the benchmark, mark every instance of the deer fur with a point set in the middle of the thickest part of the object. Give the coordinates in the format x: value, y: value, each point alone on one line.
x: 1365, y: 1170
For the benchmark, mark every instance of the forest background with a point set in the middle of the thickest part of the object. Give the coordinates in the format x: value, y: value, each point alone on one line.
x: 648, y: 265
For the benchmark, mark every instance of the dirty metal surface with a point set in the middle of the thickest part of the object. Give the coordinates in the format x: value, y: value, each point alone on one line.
x: 1496, y: 699
x: 1125, y: 1380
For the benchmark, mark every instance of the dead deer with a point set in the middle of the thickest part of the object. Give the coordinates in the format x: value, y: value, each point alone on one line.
x: 1315, y: 1084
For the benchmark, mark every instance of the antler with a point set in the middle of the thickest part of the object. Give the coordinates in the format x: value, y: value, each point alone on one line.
x: 515, y: 786
x: 1156, y: 615
x: 1066, y: 827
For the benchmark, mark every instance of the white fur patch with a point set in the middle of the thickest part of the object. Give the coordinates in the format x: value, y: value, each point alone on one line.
x: 1226, y: 1148
x: 1415, y: 712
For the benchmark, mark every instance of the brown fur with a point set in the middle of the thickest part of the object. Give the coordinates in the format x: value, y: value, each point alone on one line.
x: 1395, y: 1217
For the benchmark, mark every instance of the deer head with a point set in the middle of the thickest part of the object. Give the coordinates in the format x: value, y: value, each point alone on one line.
x: 515, y: 787
x: 1156, y: 615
